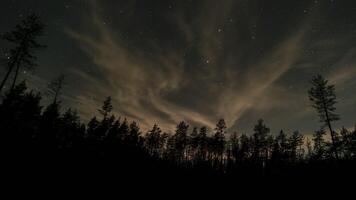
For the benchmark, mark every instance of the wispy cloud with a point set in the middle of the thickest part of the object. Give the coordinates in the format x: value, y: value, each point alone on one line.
x: 198, y: 75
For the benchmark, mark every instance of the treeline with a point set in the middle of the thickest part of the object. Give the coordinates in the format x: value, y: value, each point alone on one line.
x: 27, y: 127
x: 35, y: 133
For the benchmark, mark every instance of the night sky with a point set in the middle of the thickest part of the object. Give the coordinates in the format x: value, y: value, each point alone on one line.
x: 166, y: 61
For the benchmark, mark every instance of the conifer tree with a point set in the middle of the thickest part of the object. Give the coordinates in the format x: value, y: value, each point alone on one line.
x: 24, y: 40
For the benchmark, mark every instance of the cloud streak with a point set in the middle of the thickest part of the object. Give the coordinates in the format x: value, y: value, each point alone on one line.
x: 200, y: 68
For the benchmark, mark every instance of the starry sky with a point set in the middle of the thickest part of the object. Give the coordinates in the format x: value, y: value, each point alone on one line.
x: 164, y: 61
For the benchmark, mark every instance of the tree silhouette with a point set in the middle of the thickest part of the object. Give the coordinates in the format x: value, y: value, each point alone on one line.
x: 280, y: 147
x: 111, y: 140
x: 92, y: 127
x: 319, y: 144
x: 193, y: 143
x: 20, y: 114
x: 245, y: 149
x: 323, y: 97
x: 219, y: 140
x: 106, y: 108
x: 234, y: 147
x: 345, y: 143
x: 260, y: 150
x: 55, y: 87
x: 152, y: 140
x: 24, y: 38
x: 181, y: 141
x: 71, y: 130
x: 134, y: 137
x: 296, y: 141
x: 202, y: 144
x: 49, y: 126
x: 114, y: 131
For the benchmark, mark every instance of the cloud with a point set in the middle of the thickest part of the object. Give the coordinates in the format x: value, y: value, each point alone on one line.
x: 199, y: 68
x: 138, y: 84
x: 259, y: 78
x: 135, y: 82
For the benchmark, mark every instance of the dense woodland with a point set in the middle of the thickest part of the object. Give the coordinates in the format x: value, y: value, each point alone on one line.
x: 34, y: 134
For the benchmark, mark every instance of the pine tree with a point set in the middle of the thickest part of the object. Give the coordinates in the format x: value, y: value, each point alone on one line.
x: 106, y: 107
x: 193, y: 142
x: 234, y: 146
x: 124, y: 130
x: 323, y: 97
x: 245, y: 149
x: 219, y: 139
x: 202, y: 143
x: 152, y: 140
x: 296, y: 141
x: 92, y: 127
x: 113, y: 131
x: 70, y: 132
x: 260, y: 141
x: 24, y: 38
x: 280, y: 147
x: 181, y: 141
x: 55, y: 87
x: 134, y: 134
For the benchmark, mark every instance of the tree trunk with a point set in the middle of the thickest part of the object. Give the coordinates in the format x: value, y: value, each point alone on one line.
x: 330, y: 129
x: 55, y: 101
x: 5, y: 78
x: 331, y: 134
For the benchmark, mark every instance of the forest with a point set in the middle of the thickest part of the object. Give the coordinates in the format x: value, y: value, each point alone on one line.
x: 36, y: 136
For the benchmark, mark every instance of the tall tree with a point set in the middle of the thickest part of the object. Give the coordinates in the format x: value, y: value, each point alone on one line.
x: 134, y: 134
x: 181, y: 141
x: 219, y: 139
x: 260, y: 141
x: 323, y: 98
x: 24, y: 38
x: 245, y: 148
x: 106, y: 107
x: 55, y: 87
x: 152, y: 140
x: 281, y: 146
x: 124, y: 130
x: 92, y: 128
x: 296, y: 141
x: 70, y: 132
x: 234, y: 146
x: 193, y: 142
x: 202, y: 143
